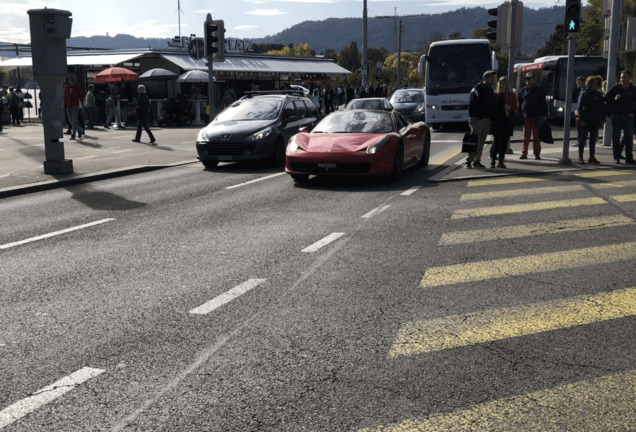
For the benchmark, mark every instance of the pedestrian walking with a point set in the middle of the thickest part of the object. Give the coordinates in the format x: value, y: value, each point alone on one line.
x: 481, y: 110
x: 533, y: 105
x: 621, y: 102
x: 114, y: 107
x: 73, y: 96
x: 14, y: 107
x: 142, y: 112
x: 502, y: 127
x: 91, y: 106
x: 591, y: 112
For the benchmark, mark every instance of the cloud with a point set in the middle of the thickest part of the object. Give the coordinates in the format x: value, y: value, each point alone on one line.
x: 266, y: 12
x: 246, y: 27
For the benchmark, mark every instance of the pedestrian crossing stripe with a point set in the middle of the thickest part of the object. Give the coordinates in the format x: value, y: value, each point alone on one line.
x: 624, y: 198
x: 528, y: 230
x: 526, y: 207
x: 604, y: 403
x: 491, y: 325
x: 617, y: 184
x: 505, y: 181
x: 519, y: 192
x: 521, y: 265
x: 602, y: 173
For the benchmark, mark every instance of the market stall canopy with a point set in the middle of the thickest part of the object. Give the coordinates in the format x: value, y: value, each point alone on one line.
x: 158, y: 74
x: 115, y: 74
x: 194, y: 76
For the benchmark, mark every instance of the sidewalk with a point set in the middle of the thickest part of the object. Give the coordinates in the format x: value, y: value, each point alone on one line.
x: 551, y: 155
x: 100, y: 154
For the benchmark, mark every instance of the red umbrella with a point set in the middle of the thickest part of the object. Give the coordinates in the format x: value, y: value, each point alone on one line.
x: 114, y: 74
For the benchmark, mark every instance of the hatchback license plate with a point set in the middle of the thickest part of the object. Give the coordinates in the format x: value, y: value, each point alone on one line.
x: 226, y: 158
x: 327, y: 165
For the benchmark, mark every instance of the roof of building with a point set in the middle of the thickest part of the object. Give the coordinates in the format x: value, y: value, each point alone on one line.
x: 234, y: 62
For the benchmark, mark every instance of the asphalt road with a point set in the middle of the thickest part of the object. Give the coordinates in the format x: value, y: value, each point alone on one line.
x: 235, y: 300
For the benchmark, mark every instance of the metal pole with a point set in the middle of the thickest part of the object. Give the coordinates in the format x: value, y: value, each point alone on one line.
x: 365, y: 72
x: 612, y: 55
x: 513, y: 40
x: 399, y: 72
x: 565, y: 159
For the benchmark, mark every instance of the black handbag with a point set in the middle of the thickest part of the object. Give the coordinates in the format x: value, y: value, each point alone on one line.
x: 545, y: 133
x: 469, y: 144
x: 515, y: 119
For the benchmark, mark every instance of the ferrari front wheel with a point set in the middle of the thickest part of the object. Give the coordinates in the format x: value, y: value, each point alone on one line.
x: 426, y: 151
x: 398, y: 162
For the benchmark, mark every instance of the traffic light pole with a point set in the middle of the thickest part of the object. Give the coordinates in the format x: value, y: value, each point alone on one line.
x: 208, y: 21
x: 565, y: 159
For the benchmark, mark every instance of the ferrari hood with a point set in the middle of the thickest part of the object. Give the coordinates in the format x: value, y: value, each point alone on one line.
x: 336, y: 142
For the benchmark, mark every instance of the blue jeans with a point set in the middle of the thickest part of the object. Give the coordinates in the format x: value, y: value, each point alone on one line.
x: 72, y: 118
x: 591, y: 130
x: 626, y: 123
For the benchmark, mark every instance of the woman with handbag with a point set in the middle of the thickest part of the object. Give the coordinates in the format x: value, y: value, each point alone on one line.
x: 503, y: 124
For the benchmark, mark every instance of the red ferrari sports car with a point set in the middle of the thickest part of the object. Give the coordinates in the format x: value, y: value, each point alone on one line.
x: 358, y: 142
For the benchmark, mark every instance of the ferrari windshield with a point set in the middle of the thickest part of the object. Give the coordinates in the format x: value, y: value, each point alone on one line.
x: 251, y: 109
x: 356, y: 121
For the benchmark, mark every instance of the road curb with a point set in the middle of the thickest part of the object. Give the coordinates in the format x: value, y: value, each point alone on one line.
x: 85, y: 178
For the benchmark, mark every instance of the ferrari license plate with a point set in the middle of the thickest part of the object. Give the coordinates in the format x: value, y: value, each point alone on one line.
x: 327, y: 165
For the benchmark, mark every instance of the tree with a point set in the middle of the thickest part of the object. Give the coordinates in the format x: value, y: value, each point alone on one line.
x: 350, y: 58
x: 455, y: 35
x: 302, y: 49
x: 556, y: 44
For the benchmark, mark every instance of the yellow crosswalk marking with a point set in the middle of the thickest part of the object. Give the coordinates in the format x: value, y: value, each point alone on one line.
x: 616, y: 184
x: 486, y: 326
x: 504, y: 181
x: 518, y: 231
x: 602, y: 173
x: 605, y: 403
x: 624, y: 198
x: 516, y: 266
x: 520, y: 192
x: 518, y: 208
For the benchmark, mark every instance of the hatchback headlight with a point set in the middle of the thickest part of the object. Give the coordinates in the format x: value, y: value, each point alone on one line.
x: 260, y: 134
x: 202, y: 136
x: 433, y: 107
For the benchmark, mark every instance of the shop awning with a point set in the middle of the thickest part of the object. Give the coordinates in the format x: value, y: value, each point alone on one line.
x: 93, y: 59
x: 261, y: 64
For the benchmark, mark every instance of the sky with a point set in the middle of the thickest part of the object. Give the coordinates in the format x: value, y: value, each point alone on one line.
x: 244, y: 19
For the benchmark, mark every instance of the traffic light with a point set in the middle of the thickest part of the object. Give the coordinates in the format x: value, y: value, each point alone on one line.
x: 499, y: 28
x: 572, y: 16
x: 215, y: 40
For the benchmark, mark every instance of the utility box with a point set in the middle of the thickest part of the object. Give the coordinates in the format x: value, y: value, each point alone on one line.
x: 49, y: 30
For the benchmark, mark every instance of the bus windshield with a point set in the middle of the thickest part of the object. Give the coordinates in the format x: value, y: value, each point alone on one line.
x: 456, y: 68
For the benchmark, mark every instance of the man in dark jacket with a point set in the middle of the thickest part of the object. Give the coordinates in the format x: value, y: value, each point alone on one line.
x: 533, y: 105
x: 621, y: 102
x: 481, y: 110
x: 143, y: 112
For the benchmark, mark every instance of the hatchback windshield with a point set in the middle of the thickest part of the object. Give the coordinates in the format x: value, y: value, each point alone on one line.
x: 406, y: 96
x: 251, y: 109
x: 356, y: 122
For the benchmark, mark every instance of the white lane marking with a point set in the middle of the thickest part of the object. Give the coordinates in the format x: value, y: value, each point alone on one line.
x: 45, y: 395
x: 331, y: 237
x: 121, y: 151
x: 56, y: 233
x: 411, y: 191
x: 85, y: 157
x: 446, y: 141
x: 375, y: 211
x: 256, y: 180
x: 227, y: 296
x: 4, y: 175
